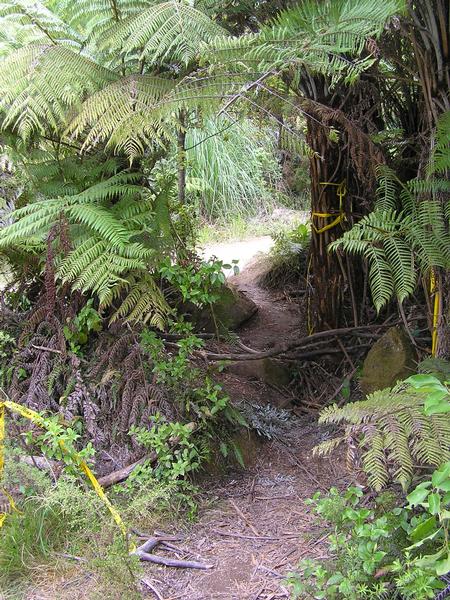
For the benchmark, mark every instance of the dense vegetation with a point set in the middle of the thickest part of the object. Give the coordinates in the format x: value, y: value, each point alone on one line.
x: 126, y: 128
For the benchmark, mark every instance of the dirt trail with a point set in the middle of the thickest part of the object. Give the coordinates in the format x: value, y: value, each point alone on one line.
x: 243, y: 251
x: 253, y: 525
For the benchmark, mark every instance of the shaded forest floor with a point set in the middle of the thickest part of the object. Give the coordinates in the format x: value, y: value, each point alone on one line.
x: 253, y: 525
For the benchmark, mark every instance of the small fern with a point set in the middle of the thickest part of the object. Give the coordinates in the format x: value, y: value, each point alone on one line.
x: 399, y: 245
x: 390, y: 434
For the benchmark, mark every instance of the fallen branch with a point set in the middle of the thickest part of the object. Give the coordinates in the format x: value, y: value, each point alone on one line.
x: 122, y: 474
x: 144, y: 553
x: 172, y: 562
x: 288, y: 347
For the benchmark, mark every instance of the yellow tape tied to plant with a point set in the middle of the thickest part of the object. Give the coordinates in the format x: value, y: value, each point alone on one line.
x: 35, y: 418
x: 436, y: 307
x: 341, y: 193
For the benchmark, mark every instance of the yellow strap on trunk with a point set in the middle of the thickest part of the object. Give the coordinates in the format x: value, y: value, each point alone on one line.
x: 341, y: 192
x: 436, y: 306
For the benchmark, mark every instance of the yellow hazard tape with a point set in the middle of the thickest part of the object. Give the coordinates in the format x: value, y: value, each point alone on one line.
x: 341, y: 193
x: 436, y: 307
x: 35, y: 418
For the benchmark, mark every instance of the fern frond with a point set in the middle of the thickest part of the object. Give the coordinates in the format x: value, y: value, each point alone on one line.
x: 393, y: 433
x: 144, y: 303
x: 310, y: 33
x: 41, y: 83
x: 121, y: 115
x: 170, y: 31
x: 30, y: 21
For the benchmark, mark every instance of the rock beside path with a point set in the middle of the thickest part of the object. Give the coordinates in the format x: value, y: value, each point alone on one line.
x: 391, y: 359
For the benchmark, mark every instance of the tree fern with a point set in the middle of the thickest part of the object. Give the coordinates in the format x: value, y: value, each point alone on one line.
x: 170, y: 31
x: 396, y: 244
x: 313, y: 34
x: 391, y: 434
x: 109, y: 257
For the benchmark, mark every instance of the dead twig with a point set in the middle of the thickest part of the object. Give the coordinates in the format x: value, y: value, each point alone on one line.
x: 152, y: 588
x: 46, y: 349
x: 252, y: 537
x: 243, y: 517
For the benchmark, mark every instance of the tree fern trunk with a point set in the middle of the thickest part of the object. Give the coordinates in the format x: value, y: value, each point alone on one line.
x: 350, y: 161
x: 181, y: 159
x: 325, y: 276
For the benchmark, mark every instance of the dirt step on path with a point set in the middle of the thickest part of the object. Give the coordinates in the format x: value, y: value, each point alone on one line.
x: 254, y: 526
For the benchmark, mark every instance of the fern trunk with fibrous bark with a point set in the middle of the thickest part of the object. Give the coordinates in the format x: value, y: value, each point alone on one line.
x: 430, y: 38
x: 349, y: 162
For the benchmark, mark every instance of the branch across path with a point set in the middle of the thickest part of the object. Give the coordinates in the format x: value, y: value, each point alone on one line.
x: 294, y: 345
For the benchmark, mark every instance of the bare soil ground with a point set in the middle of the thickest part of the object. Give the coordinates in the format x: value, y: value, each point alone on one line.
x: 253, y: 526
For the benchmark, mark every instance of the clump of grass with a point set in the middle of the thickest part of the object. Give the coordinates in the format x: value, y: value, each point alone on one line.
x: 28, y: 539
x: 65, y: 518
x: 232, y: 171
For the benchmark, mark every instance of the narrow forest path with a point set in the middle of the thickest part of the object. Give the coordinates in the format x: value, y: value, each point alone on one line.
x: 254, y: 525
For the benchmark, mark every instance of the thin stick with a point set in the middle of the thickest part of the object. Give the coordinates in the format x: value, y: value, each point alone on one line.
x: 252, y: 537
x: 152, y: 588
x: 243, y: 517
x: 46, y: 349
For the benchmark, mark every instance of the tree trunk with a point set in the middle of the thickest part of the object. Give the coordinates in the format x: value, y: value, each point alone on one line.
x: 343, y: 184
x: 181, y: 159
x: 326, y: 279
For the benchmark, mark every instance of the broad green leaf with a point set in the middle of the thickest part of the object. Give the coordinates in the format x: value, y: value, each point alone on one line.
x: 418, y: 495
x: 420, y: 381
x: 423, y: 531
x: 441, y: 475
x: 443, y: 566
x: 434, y: 503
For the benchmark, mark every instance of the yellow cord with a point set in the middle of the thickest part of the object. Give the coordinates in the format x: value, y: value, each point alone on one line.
x: 36, y: 418
x: 436, y: 306
x: 341, y: 193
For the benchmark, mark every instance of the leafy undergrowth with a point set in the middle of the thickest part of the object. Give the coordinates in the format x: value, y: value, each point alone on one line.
x: 64, y: 527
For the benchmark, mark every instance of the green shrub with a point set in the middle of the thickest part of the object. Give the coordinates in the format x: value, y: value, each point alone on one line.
x: 288, y: 257
x: 381, y: 551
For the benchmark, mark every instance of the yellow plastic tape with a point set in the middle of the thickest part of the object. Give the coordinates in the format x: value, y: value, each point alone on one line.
x: 341, y: 192
x: 38, y: 420
x: 436, y: 306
